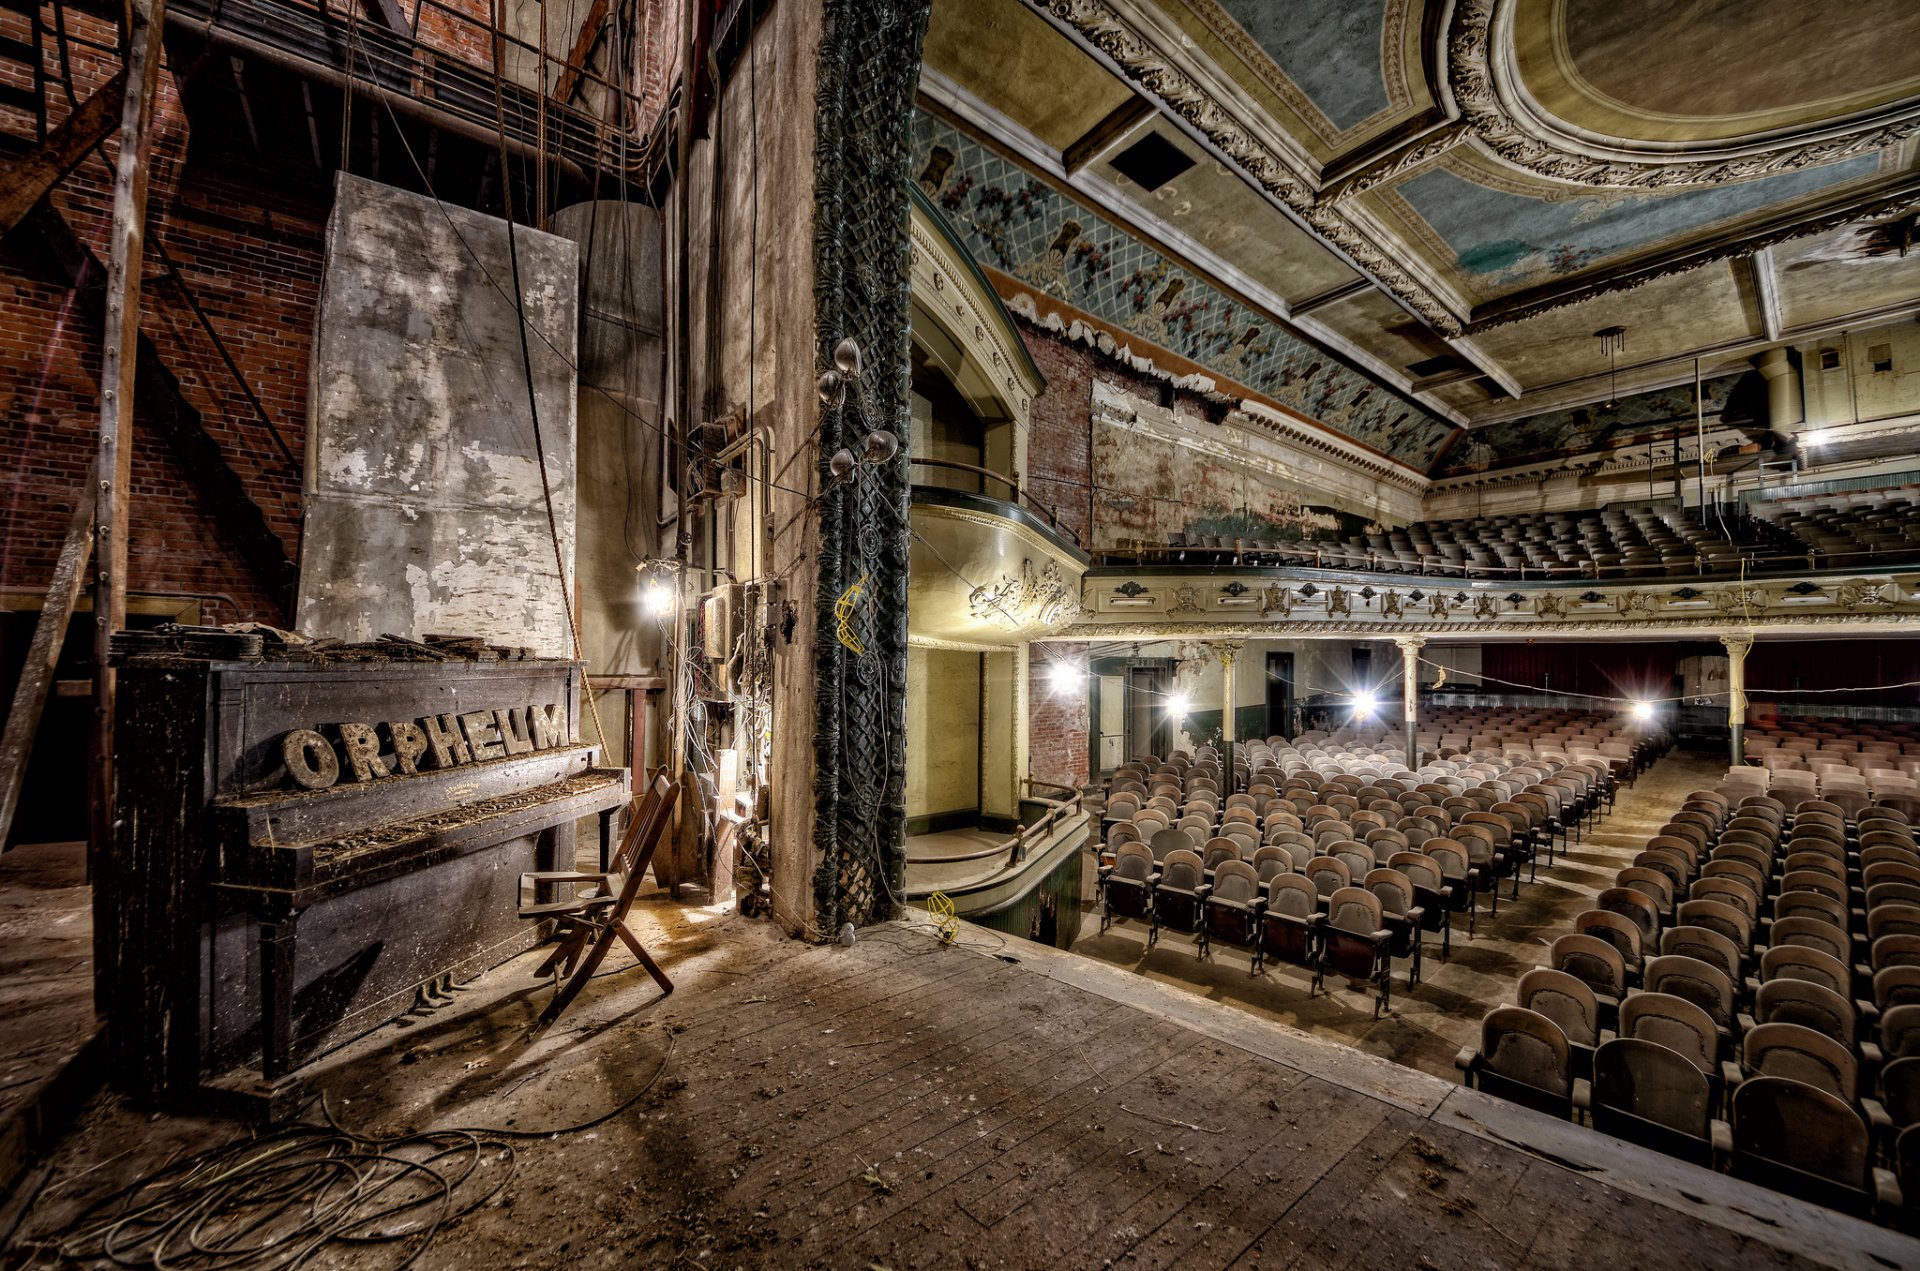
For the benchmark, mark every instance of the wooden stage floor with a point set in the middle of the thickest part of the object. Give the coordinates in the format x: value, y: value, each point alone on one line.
x: 902, y: 1104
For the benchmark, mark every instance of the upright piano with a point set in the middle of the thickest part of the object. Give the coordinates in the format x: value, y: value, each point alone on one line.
x: 311, y: 843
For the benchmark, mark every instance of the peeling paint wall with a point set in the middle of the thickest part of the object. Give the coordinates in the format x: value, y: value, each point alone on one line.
x: 424, y: 507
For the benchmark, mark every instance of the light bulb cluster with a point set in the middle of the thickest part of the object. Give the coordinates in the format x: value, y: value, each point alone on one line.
x: 880, y: 445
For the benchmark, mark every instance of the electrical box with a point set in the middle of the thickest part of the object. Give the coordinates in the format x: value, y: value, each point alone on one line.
x: 719, y: 614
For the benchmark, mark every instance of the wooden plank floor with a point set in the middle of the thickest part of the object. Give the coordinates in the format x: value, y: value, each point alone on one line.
x: 902, y: 1104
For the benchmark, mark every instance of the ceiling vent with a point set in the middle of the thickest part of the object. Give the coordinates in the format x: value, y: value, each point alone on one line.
x: 1151, y: 162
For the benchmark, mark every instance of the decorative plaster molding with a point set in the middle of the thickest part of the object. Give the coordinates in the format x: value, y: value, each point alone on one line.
x: 1347, y: 628
x: 1097, y: 24
x: 1485, y: 85
x: 944, y: 283
x: 1043, y: 597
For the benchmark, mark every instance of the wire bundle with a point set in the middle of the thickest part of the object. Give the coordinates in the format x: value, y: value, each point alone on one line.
x: 280, y: 1201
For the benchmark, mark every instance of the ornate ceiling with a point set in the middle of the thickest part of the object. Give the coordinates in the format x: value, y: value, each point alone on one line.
x: 1455, y: 197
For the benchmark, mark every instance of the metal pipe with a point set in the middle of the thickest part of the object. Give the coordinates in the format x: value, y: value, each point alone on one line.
x: 398, y: 103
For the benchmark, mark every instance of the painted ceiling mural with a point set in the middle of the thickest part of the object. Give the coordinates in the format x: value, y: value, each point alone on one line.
x: 1025, y: 229
x: 1635, y: 420
x: 1502, y: 232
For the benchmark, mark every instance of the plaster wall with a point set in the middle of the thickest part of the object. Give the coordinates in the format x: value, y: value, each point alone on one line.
x: 943, y: 731
x: 762, y: 132
x: 424, y: 504
x: 1853, y: 389
x: 622, y: 319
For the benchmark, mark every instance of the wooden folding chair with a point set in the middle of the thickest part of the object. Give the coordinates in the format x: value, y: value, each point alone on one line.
x: 595, y: 916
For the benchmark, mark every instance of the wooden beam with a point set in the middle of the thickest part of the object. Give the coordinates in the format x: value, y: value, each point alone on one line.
x: 24, y: 181
x: 49, y: 633
x: 584, y: 44
x: 119, y: 345
x: 1455, y: 375
x: 1097, y: 139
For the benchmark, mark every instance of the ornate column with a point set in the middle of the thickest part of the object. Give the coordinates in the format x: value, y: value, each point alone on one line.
x: 1410, y: 689
x: 1737, y: 646
x: 1227, y: 651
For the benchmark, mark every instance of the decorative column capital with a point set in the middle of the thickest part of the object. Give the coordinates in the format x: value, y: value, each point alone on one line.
x: 1738, y: 646
x: 1410, y: 644
x: 1227, y: 650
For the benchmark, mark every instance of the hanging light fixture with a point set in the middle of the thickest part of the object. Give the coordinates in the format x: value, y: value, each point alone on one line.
x: 1613, y: 341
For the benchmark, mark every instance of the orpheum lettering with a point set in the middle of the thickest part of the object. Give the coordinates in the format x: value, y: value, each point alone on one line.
x: 315, y: 759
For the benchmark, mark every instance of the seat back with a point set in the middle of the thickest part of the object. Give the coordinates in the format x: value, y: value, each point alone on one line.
x: 1709, y: 946
x: 1292, y: 896
x: 1354, y: 910
x: 1524, y: 1056
x: 1591, y: 960
x: 1328, y: 875
x: 1565, y: 999
x: 1797, y: 962
x: 1900, y: 1031
x: 1181, y: 871
x: 1236, y: 882
x: 1619, y: 931
x: 1717, y: 917
x: 1800, y: 1054
x: 1704, y: 985
x: 1675, y: 1023
x: 1635, y: 1080
x: 1632, y: 906
x: 1815, y: 1006
x: 1393, y: 889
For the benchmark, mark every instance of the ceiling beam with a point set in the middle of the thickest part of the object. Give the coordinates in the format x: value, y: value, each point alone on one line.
x: 1098, y: 139
x: 1677, y: 368
x: 1891, y: 200
x: 584, y: 43
x: 1332, y: 296
x: 1455, y: 375
x: 1499, y: 374
x: 1766, y: 290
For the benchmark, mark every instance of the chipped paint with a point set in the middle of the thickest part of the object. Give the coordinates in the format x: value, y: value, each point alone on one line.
x: 425, y: 509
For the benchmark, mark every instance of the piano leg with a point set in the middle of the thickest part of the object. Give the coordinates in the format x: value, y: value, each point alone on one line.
x: 278, y: 941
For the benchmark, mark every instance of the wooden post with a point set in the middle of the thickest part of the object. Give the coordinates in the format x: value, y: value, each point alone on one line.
x: 119, y: 348
x: 49, y: 632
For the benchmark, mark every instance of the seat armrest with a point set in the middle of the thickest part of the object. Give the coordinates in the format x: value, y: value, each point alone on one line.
x: 1886, y: 1192
x: 1606, y: 1035
x: 1742, y: 1024
x: 1730, y: 1074
x: 1467, y: 1059
x: 1446, y: 893
x: 1153, y: 879
x: 1720, y: 1134
x: 1867, y: 1010
x: 1870, y: 1057
x: 1382, y: 936
x: 1582, y: 1096
x: 1751, y: 984
x: 1877, y: 1117
x: 1415, y: 915
x: 1204, y: 890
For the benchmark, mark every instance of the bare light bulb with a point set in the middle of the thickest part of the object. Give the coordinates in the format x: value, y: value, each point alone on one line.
x: 657, y: 599
x: 1364, y: 705
x: 1643, y: 710
x: 881, y: 446
x: 846, y: 356
x: 1063, y: 679
x: 1178, y: 705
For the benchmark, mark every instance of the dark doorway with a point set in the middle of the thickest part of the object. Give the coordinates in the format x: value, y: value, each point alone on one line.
x: 1280, y: 694
x: 1149, y: 731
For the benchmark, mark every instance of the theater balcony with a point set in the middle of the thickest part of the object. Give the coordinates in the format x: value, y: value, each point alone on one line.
x: 1161, y: 598
x: 993, y: 568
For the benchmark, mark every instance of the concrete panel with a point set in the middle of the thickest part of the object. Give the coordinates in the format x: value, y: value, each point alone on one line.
x: 424, y: 507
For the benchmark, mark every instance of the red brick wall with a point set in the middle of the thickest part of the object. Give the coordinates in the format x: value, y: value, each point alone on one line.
x: 1057, y: 719
x: 1058, y: 439
x: 251, y: 256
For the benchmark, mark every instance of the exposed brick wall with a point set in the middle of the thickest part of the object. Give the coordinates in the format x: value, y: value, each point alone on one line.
x: 249, y: 247
x: 1059, y: 459
x: 251, y: 256
x: 1057, y: 720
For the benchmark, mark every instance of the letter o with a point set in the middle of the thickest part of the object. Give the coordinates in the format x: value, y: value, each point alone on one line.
x: 310, y: 759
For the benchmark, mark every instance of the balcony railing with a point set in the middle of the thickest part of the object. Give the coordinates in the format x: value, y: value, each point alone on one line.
x: 444, y: 64
x: 1015, y: 495
x: 1212, y: 553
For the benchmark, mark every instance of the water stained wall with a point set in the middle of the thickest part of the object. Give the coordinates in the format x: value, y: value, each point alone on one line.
x: 424, y: 503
